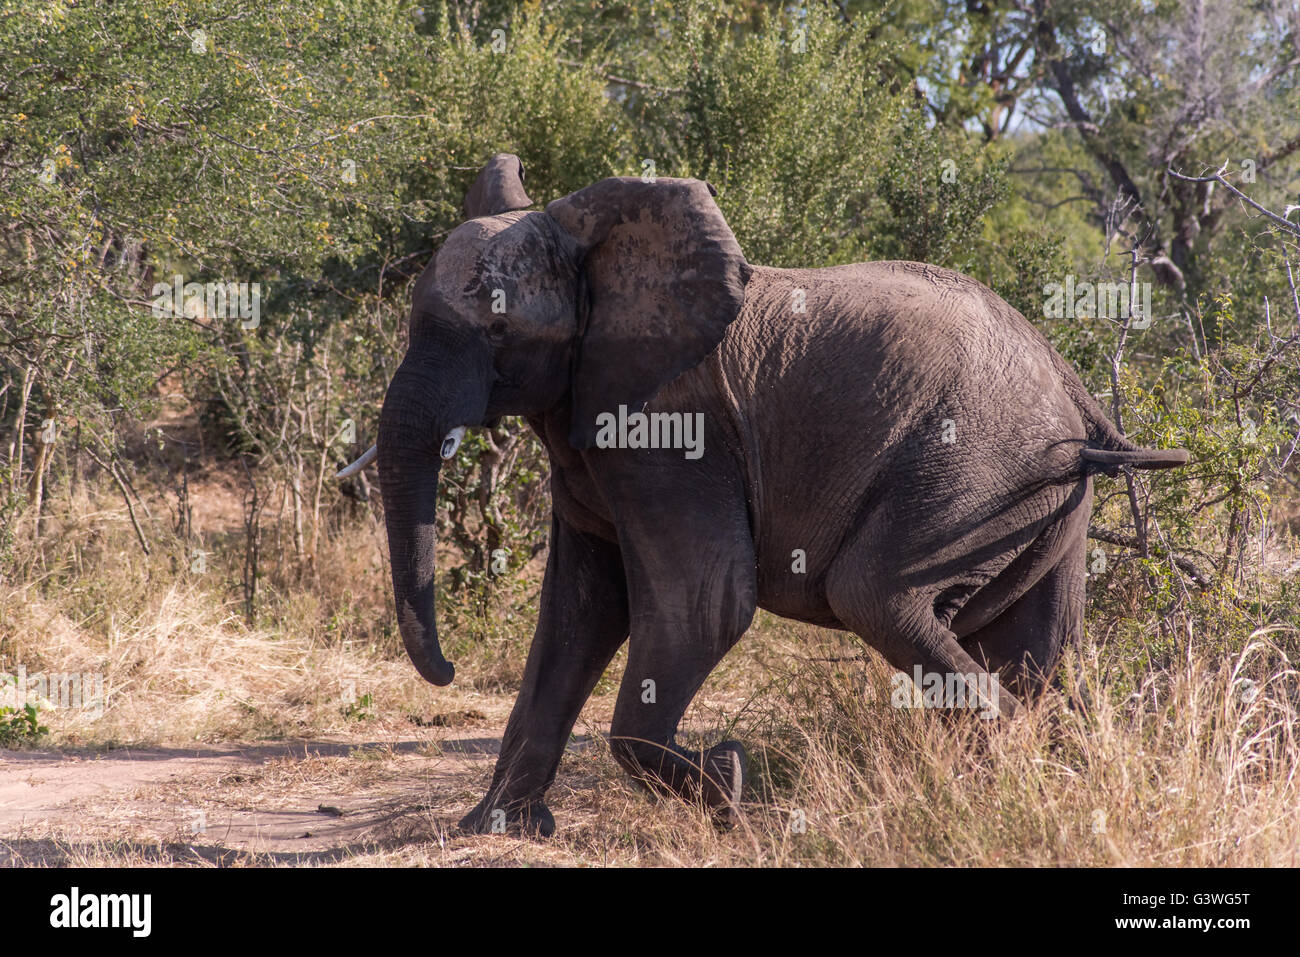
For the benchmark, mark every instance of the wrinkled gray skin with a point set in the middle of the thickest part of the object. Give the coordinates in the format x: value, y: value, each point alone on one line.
x: 824, y: 432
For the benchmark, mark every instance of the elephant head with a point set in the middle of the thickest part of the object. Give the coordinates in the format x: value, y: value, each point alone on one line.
x: 596, y: 302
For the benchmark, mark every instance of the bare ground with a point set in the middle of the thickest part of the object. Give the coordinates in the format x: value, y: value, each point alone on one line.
x: 383, y: 795
x: 330, y: 800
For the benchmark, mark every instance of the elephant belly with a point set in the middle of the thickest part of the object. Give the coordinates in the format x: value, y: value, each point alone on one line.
x: 791, y: 581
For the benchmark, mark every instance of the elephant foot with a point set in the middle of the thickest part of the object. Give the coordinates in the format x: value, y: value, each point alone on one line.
x: 527, y: 818
x: 724, y: 769
x: 713, y: 778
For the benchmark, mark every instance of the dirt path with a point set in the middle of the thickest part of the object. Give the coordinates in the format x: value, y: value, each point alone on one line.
x: 324, y: 801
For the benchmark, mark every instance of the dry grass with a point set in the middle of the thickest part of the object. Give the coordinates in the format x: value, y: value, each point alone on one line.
x: 1185, y: 757
x: 178, y: 666
x: 1186, y: 771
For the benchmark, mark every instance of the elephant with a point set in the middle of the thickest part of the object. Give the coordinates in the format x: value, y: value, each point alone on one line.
x: 886, y: 448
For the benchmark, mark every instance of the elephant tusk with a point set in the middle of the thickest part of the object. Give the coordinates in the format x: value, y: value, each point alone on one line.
x: 452, y: 442
x: 368, y: 456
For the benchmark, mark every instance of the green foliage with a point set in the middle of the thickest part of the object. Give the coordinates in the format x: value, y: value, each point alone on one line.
x: 320, y: 149
x: 19, y: 725
x: 495, y: 508
x: 360, y: 710
x: 790, y: 122
x: 936, y: 188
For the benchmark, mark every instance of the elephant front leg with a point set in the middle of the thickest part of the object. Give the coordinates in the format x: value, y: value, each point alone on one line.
x: 687, y: 614
x: 583, y: 620
x: 644, y: 732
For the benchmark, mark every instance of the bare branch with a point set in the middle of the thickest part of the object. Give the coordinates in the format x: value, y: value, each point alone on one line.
x: 1217, y: 177
x: 1202, y: 579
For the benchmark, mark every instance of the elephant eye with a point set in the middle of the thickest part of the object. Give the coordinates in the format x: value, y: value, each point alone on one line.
x: 498, y: 329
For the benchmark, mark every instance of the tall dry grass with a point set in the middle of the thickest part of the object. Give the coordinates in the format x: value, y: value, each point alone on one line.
x: 179, y: 661
x: 1198, y: 766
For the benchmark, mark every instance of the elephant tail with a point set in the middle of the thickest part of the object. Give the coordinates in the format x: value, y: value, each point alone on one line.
x: 1105, y: 449
x: 1111, y: 461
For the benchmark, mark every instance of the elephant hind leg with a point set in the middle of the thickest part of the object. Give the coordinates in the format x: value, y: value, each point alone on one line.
x: 904, y: 629
x: 1025, y: 642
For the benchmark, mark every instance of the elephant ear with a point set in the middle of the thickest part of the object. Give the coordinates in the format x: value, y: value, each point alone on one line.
x: 664, y: 275
x: 498, y: 189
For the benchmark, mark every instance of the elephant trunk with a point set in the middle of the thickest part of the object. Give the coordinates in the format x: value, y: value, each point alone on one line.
x: 420, y: 424
x: 410, y: 490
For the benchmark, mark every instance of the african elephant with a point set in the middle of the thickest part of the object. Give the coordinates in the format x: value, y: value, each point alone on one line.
x: 886, y: 447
